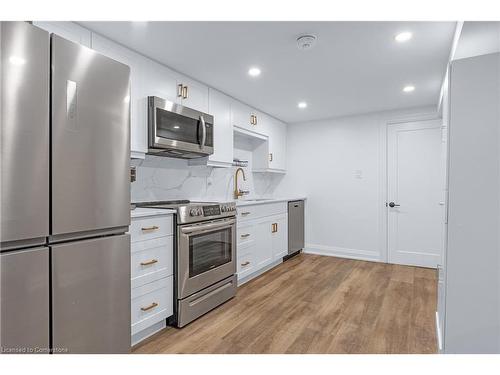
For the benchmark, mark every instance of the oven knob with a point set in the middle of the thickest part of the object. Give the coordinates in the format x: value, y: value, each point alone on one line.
x: 193, y: 212
x: 224, y: 208
x: 200, y: 212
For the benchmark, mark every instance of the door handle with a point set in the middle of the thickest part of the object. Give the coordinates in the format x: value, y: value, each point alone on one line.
x: 204, y: 131
x: 392, y: 204
x: 147, y: 308
x: 245, y: 235
x: 152, y: 261
x: 179, y: 90
x: 184, y: 92
x: 148, y: 229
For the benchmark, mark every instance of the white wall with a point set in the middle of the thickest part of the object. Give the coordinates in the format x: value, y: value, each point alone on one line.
x: 340, y: 165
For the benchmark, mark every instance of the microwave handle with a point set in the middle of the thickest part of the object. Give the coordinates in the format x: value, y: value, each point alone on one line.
x: 204, y: 131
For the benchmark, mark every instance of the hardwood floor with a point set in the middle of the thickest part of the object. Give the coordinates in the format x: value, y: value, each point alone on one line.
x: 317, y: 304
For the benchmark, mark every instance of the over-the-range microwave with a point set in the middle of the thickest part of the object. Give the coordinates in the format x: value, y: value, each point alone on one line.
x: 178, y: 131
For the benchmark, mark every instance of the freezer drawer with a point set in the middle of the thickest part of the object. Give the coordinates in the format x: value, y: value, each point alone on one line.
x: 90, y: 140
x: 24, y: 301
x: 295, y: 226
x: 24, y: 129
x: 91, y: 295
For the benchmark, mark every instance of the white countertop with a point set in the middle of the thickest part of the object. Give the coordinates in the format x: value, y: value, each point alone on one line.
x: 144, y: 211
x: 244, y: 202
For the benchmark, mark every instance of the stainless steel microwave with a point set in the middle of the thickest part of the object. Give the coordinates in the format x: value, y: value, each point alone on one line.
x: 178, y: 131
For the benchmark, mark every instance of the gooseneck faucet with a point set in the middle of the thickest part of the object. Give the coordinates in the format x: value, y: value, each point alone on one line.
x: 238, y: 192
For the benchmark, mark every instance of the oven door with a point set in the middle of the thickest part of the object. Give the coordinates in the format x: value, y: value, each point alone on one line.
x: 206, y: 255
x: 175, y: 127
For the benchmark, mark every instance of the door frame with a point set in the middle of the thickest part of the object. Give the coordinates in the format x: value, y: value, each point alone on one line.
x: 384, y: 176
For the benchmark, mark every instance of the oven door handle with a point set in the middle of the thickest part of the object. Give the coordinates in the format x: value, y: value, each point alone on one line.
x: 205, y: 227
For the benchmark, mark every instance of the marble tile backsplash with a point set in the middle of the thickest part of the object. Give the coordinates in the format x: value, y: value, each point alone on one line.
x: 160, y: 178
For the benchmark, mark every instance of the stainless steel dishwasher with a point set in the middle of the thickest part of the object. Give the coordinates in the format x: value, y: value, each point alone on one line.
x: 295, y: 227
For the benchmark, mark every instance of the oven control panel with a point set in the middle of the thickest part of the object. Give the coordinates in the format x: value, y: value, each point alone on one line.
x: 211, y: 210
x: 225, y: 209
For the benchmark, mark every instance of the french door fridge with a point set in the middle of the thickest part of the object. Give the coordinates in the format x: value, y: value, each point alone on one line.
x: 65, y: 196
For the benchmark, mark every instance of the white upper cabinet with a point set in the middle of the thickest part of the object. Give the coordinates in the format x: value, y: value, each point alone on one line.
x: 68, y: 30
x: 138, y: 94
x: 192, y: 94
x: 245, y: 117
x: 219, y: 106
x: 271, y: 156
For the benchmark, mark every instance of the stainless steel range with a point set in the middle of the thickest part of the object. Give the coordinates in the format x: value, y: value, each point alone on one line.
x: 205, y: 256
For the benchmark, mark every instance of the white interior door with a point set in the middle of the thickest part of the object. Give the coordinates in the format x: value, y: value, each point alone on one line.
x: 415, y: 207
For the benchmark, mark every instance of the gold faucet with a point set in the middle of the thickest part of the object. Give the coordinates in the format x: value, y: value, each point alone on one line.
x: 238, y: 192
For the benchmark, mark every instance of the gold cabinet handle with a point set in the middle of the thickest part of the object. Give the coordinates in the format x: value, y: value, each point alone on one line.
x: 180, y: 88
x: 147, y: 308
x: 274, y: 227
x: 245, y: 235
x: 271, y: 156
x: 245, y: 263
x: 149, y: 229
x: 149, y: 262
x: 185, y: 92
x: 251, y: 120
x: 245, y: 213
x: 255, y: 116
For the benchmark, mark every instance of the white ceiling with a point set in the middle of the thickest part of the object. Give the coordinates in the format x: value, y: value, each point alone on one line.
x: 355, y: 67
x: 478, y: 38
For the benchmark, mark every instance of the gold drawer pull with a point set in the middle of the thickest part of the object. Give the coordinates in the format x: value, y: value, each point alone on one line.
x: 152, y: 306
x: 245, y: 263
x: 245, y: 235
x: 149, y: 229
x: 245, y: 213
x: 152, y: 261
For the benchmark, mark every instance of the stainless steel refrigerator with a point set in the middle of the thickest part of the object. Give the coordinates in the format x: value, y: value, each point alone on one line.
x: 65, y: 196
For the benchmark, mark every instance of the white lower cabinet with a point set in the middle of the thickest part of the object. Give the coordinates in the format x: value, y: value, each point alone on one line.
x: 262, y: 238
x: 152, y: 269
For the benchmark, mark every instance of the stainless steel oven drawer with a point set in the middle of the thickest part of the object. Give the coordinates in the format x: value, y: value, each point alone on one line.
x: 207, y: 299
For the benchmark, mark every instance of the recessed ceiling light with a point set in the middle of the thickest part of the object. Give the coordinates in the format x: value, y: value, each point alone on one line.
x: 176, y: 126
x: 302, y: 105
x: 403, y: 37
x: 254, y: 72
x: 16, y: 60
x: 409, y: 88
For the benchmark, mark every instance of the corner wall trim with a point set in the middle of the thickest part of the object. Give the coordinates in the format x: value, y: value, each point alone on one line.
x: 342, y: 252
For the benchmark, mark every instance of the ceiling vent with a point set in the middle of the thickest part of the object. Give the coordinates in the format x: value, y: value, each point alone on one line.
x: 305, y: 42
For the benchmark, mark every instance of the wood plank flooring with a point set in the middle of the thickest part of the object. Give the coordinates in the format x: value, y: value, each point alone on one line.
x: 317, y: 304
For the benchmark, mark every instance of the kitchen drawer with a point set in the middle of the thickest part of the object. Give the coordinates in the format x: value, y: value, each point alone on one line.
x: 261, y: 210
x: 151, y: 227
x: 157, y: 298
x: 245, y: 233
x: 151, y: 260
x: 246, y: 261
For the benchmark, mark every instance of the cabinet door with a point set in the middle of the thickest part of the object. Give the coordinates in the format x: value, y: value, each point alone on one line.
x: 279, y: 236
x: 242, y: 117
x: 197, y: 94
x: 277, y: 145
x: 220, y: 108
x: 138, y: 110
x: 68, y: 30
x: 263, y: 250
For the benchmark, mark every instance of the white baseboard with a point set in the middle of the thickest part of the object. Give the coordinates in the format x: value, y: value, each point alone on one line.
x: 438, y: 334
x: 342, y: 252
